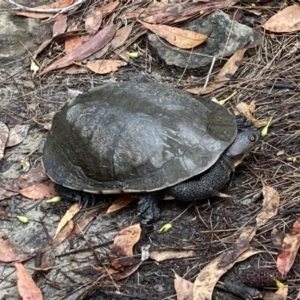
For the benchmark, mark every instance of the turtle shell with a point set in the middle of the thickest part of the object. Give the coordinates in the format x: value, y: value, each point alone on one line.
x: 134, y: 137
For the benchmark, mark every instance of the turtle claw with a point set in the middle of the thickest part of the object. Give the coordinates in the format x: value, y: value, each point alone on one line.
x: 148, y: 207
x: 84, y: 198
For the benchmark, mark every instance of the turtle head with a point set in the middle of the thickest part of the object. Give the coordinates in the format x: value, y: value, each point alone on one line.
x: 245, y: 140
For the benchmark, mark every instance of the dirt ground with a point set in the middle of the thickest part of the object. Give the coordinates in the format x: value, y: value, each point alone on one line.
x: 267, y: 75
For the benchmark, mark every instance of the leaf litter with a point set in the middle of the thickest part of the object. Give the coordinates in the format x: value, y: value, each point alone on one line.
x: 268, y: 212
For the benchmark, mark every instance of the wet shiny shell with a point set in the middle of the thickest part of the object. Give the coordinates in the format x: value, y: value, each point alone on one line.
x: 135, y: 137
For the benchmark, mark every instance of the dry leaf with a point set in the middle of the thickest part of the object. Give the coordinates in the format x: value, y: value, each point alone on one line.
x: 109, y: 8
x: 121, y: 202
x: 82, y: 224
x: 36, y: 175
x: 210, y: 274
x: 48, y: 260
x: 17, y: 134
x: 286, y: 20
x: 283, y: 291
x: 290, y: 246
x: 122, y: 252
x: 4, y: 132
x: 270, y: 206
x: 60, y: 25
x: 72, y: 42
x: 224, y: 75
x: 93, y: 21
x: 39, y: 191
x: 70, y: 213
x: 126, y: 239
x: 239, y: 247
x: 277, y: 237
x: 121, y: 36
x: 103, y: 66
x: 183, y: 288
x: 9, y: 251
x: 281, y: 294
x: 161, y: 256
x: 248, y: 110
x: 97, y: 42
x: 63, y: 234
x: 75, y: 69
x: 181, y: 38
x: 26, y: 286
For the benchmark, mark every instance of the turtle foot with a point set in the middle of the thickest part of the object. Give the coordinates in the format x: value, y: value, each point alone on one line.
x: 84, y: 198
x: 148, y: 207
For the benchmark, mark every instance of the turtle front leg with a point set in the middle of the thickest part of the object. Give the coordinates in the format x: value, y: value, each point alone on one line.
x: 204, y: 185
x: 148, y: 206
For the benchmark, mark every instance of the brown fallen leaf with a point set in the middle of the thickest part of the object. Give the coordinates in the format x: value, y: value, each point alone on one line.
x: 283, y: 291
x: 4, y: 133
x: 104, y: 66
x: 121, y: 36
x: 248, y: 110
x: 164, y: 255
x: 183, y: 288
x: 57, y: 4
x: 109, y: 8
x: 60, y: 25
x: 121, y: 254
x: 47, y: 42
x: 17, y: 134
x: 70, y: 213
x: 82, y: 224
x: 225, y: 74
x: 287, y: 20
x: 280, y: 294
x: 6, y: 192
x: 9, y: 251
x: 35, y: 175
x: 210, y: 274
x: 93, y: 21
x: 177, y: 12
x: 48, y: 260
x: 39, y: 191
x: 240, y: 246
x: 97, y: 42
x: 290, y: 246
x: 125, y: 240
x: 75, y: 69
x: 270, y: 206
x: 277, y: 237
x: 121, y: 202
x: 72, y: 42
x: 63, y: 234
x: 26, y: 286
x: 181, y: 38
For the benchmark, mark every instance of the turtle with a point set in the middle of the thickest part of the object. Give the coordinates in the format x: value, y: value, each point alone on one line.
x: 146, y: 138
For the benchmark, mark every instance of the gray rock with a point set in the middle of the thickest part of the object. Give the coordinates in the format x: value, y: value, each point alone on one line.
x: 225, y: 37
x: 15, y: 30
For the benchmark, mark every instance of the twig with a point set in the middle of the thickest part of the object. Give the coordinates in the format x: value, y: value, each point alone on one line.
x: 19, y: 7
x: 208, y: 75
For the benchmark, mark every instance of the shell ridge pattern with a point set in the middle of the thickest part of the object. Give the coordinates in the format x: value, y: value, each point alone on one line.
x: 117, y: 141
x: 138, y: 137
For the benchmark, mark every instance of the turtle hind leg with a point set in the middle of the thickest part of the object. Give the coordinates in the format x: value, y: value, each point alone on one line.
x: 148, y: 206
x: 84, y: 198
